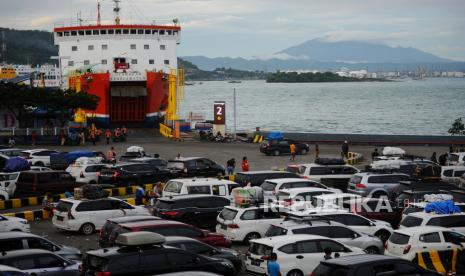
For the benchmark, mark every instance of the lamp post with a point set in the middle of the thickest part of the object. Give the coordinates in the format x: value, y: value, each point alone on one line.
x: 235, y: 111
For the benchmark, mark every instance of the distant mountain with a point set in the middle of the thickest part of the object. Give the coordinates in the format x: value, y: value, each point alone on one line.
x: 358, y: 52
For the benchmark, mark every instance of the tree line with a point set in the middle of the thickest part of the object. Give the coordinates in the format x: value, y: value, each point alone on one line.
x: 295, y: 77
x: 23, y: 102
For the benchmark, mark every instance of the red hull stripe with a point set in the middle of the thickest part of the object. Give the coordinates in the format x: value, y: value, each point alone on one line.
x: 98, y: 27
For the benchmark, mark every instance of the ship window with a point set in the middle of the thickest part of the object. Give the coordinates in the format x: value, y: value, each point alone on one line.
x: 146, y: 47
x: 66, y: 33
x: 133, y: 31
x: 104, y: 47
x: 74, y: 48
x: 168, y: 32
x: 81, y: 32
x: 154, y: 31
x: 104, y: 61
x: 111, y: 31
x: 86, y: 62
x: 70, y: 63
x: 140, y: 31
x: 88, y: 32
x: 147, y: 31
x: 151, y: 61
x: 125, y: 31
x: 162, y: 32
x: 133, y: 46
x: 90, y: 47
x: 162, y: 47
x: 95, y: 32
x: 60, y: 34
x: 133, y: 61
x: 103, y: 32
x: 117, y: 31
x: 73, y: 33
x: 167, y: 61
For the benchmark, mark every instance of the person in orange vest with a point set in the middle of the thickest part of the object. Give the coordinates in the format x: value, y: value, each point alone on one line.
x: 245, y: 164
x: 108, y: 136
x: 117, y: 134
x: 124, y: 133
x: 292, y: 148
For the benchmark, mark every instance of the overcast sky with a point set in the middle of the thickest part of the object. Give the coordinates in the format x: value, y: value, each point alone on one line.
x: 260, y: 28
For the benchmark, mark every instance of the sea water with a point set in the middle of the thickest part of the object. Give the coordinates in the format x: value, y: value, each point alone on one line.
x: 407, y: 106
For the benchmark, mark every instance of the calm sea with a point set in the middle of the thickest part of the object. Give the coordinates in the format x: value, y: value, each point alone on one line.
x: 403, y: 107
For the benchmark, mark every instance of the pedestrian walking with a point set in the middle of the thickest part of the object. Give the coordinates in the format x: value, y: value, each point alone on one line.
x: 433, y: 158
x: 124, y: 133
x: 34, y: 137
x: 140, y: 194
x: 11, y: 142
x: 245, y: 164
x: 111, y: 155
x: 273, y: 267
x: 108, y: 136
x: 82, y: 138
x: 230, y: 166
x: 117, y: 134
x: 47, y: 204
x: 62, y: 138
x: 345, y: 150
x: 92, y: 137
x: 443, y: 159
x: 374, y: 154
x: 292, y: 148
x: 317, y: 152
x: 178, y: 156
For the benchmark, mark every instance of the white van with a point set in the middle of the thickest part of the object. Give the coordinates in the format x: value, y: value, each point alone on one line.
x: 334, y: 176
x: 453, y: 174
x: 208, y: 186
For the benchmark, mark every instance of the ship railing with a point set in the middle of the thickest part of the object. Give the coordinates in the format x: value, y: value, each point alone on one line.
x: 42, y: 131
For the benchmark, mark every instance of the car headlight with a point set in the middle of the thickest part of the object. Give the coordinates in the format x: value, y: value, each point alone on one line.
x: 23, y: 221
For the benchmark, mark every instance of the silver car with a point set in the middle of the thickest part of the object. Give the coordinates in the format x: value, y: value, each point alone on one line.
x: 327, y: 228
x: 376, y: 184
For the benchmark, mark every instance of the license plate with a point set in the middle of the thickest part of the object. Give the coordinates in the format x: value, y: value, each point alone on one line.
x: 224, y: 227
x: 59, y: 218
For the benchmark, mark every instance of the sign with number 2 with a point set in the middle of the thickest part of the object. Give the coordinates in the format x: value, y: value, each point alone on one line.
x: 219, y: 111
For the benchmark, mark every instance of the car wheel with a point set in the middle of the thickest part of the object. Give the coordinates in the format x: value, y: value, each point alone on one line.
x: 251, y: 236
x: 276, y: 152
x: 87, y: 229
x: 295, y: 273
x: 372, y: 250
x: 383, y: 235
x: 303, y: 151
x: 40, y: 164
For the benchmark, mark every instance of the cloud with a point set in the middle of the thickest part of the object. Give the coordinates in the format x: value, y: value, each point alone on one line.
x: 42, y: 21
x: 211, y: 22
x: 368, y: 36
x: 281, y: 56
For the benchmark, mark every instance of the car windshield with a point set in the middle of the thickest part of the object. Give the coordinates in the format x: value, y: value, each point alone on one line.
x: 268, y: 186
x: 173, y: 187
x: 283, y: 196
x: 228, y: 214
x: 260, y: 249
x: 398, y: 238
x: 64, y: 206
x: 175, y: 165
x: 330, y: 270
x: 411, y: 221
x: 275, y: 231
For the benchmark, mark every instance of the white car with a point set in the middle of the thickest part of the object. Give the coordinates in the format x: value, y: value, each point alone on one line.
x: 38, y: 157
x: 297, y: 254
x: 245, y: 224
x: 420, y: 207
x: 317, y: 172
x: 297, y: 199
x: 271, y: 187
x: 457, y: 159
x: 86, y: 173
x: 40, y: 169
x: 453, y: 174
x: 455, y: 222
x: 334, y: 200
x: 14, y: 224
x: 8, y: 182
x: 4, y: 194
x: 89, y: 215
x: 405, y: 243
x: 208, y: 186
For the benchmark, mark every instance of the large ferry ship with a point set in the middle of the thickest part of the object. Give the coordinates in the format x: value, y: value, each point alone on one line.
x: 128, y: 66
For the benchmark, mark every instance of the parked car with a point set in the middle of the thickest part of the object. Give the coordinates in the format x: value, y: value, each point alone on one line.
x: 145, y: 254
x: 194, y: 166
x: 113, y: 223
x: 245, y: 224
x: 39, y: 183
x: 335, y: 176
x: 325, y: 227
x: 8, y: 182
x: 332, y: 200
x: 158, y: 163
x: 278, y: 147
x: 41, y: 169
x: 453, y: 174
x: 40, y: 262
x: 86, y: 173
x: 11, y: 152
x: 61, y: 160
x: 202, y: 248
x: 256, y: 178
x: 11, y: 271
x: 370, y: 265
x: 3, y: 161
x: 420, y: 207
x: 271, y: 187
x: 86, y: 216
x: 405, y: 243
x: 297, y: 254
x: 297, y: 199
x: 457, y: 159
x: 410, y: 196
x: 207, y: 186
x: 38, y: 157
x: 130, y: 174
x: 198, y: 210
x: 455, y: 222
x: 16, y: 241
x: 369, y: 184
x: 375, y: 208
x: 14, y: 224
x: 172, y: 228
x: 4, y: 194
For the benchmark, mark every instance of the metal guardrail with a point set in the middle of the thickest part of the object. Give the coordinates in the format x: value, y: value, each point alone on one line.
x: 14, y: 131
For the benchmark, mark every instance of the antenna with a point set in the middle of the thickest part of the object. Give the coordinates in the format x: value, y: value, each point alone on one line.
x: 116, y: 10
x: 3, y: 47
x: 79, y: 18
x: 98, y: 13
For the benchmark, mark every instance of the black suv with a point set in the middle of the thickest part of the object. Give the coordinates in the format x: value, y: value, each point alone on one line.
x: 278, y: 147
x: 197, y: 210
x: 256, y: 178
x: 194, y: 166
x: 130, y: 174
x: 150, y: 260
x: 369, y: 265
x: 158, y: 163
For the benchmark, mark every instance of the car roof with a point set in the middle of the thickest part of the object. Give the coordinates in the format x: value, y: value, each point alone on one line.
x: 379, y: 173
x: 187, y: 197
x: 429, y: 215
x: 4, y: 268
x: 23, y: 252
x: 281, y: 240
x: 110, y: 251
x: 292, y: 224
x: 286, y: 180
x: 263, y: 172
x: 127, y: 219
x: 179, y: 239
x: 420, y: 229
x: 146, y: 158
x: 352, y: 260
x: 160, y: 222
x: 33, y: 150
x: 320, y: 165
x: 16, y: 234
x: 294, y: 191
x: 202, y: 181
x: 72, y: 200
x: 184, y: 159
x: 337, y: 195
